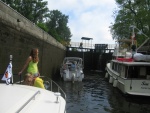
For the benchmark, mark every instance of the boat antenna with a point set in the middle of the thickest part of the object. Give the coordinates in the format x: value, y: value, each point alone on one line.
x: 133, y: 35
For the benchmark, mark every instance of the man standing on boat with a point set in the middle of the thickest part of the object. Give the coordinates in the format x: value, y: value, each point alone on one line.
x: 133, y: 44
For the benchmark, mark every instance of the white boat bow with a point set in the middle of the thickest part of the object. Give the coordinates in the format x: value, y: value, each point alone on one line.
x: 17, y: 98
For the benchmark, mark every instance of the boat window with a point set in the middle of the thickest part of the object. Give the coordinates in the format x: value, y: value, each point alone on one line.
x: 142, y: 72
x: 119, y: 68
x: 122, y: 71
x: 126, y: 71
x: 132, y: 72
x: 116, y: 67
x: 113, y: 65
x: 148, y: 72
x: 136, y: 72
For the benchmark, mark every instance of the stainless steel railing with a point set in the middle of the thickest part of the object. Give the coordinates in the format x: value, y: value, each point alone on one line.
x: 32, y: 97
x: 50, y: 85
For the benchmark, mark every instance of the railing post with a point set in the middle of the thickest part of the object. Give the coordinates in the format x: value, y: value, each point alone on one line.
x: 51, y: 85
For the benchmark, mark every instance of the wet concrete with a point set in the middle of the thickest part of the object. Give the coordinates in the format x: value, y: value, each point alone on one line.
x: 96, y: 95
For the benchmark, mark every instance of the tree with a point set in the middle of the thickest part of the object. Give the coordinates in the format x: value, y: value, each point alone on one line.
x: 57, y: 24
x: 34, y: 10
x: 43, y: 26
x: 131, y: 12
x: 53, y: 22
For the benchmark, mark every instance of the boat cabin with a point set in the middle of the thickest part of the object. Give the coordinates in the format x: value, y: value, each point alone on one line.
x: 132, y: 70
x: 72, y: 62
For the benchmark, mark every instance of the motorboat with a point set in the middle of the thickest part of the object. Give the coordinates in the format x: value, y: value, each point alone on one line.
x: 19, y: 98
x: 72, y: 69
x: 128, y: 70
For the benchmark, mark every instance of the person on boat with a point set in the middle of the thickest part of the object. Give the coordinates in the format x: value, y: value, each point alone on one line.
x: 33, y: 81
x: 133, y: 45
x: 73, y: 65
x: 81, y: 45
x: 32, y: 63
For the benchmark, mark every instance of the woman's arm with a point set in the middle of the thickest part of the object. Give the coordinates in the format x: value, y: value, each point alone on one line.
x: 25, y: 65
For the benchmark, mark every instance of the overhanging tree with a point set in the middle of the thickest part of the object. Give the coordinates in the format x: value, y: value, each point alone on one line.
x: 131, y: 12
x: 34, y: 10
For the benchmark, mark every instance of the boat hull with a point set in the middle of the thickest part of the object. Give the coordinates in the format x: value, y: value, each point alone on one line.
x: 72, y: 75
x: 130, y: 86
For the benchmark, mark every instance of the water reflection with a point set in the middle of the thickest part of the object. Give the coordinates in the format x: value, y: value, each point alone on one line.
x: 96, y: 95
x: 128, y: 104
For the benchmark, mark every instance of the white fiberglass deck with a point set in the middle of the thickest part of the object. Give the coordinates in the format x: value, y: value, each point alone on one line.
x: 27, y: 99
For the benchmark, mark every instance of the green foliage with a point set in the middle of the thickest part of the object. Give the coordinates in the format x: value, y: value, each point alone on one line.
x: 43, y: 26
x: 34, y: 10
x: 53, y: 22
x: 57, y: 24
x: 131, y: 12
x: 74, y: 49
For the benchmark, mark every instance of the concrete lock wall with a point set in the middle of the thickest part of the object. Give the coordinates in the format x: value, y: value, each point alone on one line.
x: 18, y: 36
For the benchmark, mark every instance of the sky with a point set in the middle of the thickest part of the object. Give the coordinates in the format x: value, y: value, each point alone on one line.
x: 87, y: 18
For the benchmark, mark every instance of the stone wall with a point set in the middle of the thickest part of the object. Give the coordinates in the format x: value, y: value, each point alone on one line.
x: 18, y: 36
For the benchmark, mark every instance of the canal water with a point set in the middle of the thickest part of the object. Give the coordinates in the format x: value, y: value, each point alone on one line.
x: 96, y: 95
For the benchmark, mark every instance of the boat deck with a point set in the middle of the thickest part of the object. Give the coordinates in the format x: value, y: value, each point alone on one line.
x: 27, y: 99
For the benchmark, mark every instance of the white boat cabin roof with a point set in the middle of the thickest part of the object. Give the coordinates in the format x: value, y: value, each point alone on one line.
x: 71, y: 58
x: 132, y: 63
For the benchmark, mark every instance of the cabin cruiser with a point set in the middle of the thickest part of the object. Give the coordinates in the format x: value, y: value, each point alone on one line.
x: 129, y: 71
x: 72, y: 69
